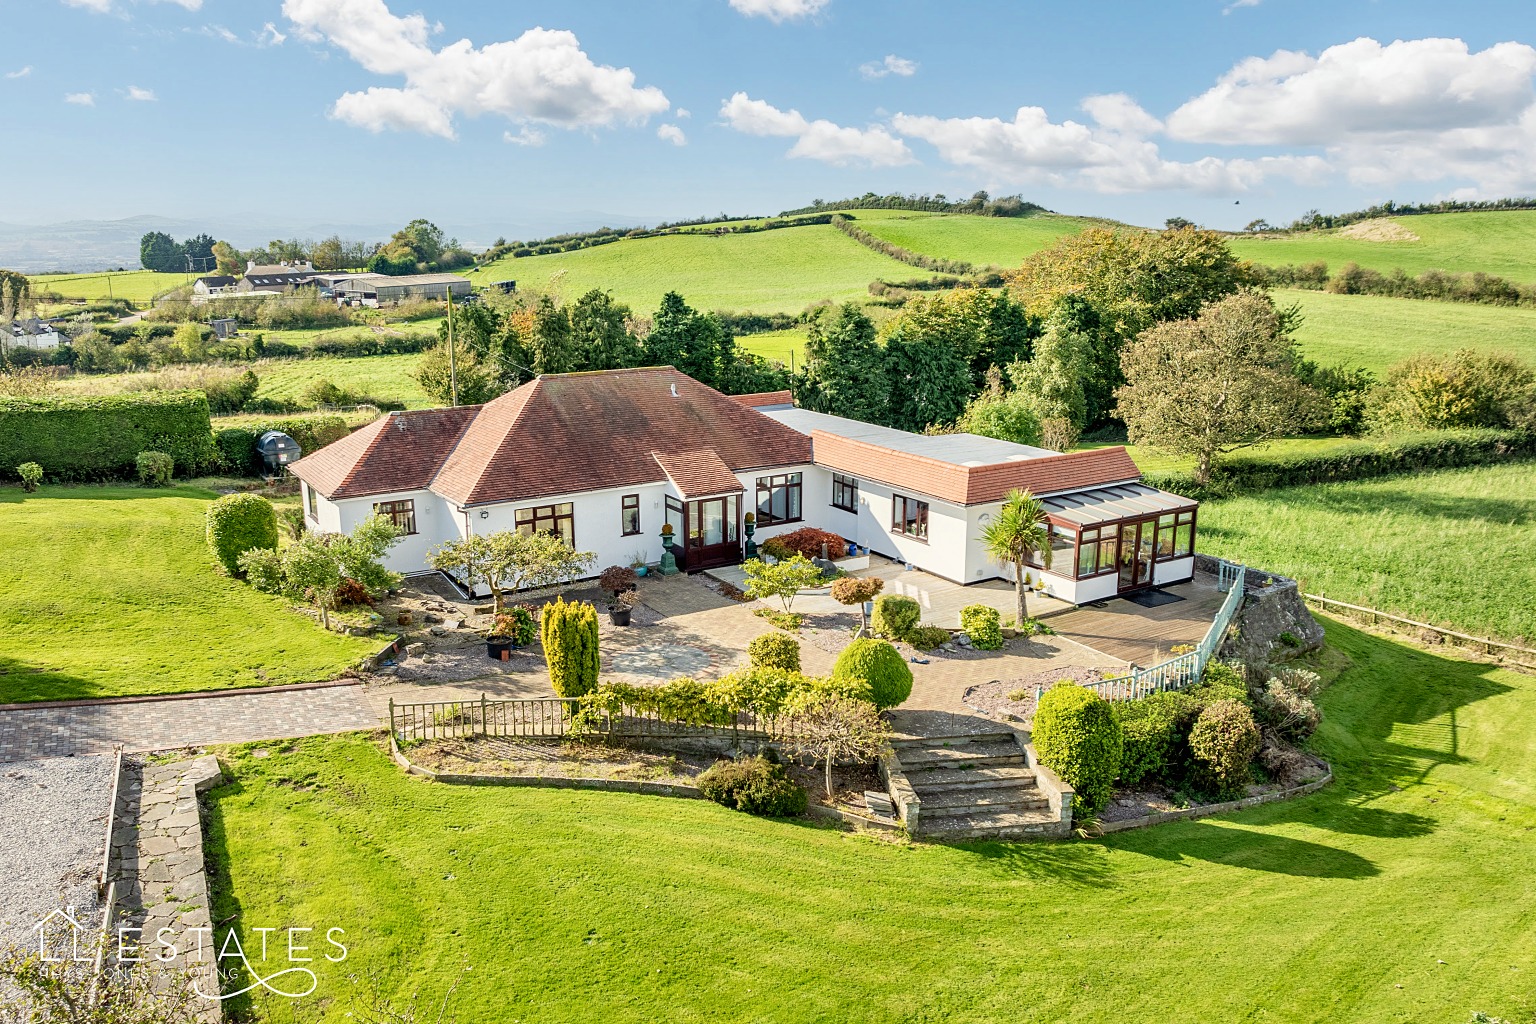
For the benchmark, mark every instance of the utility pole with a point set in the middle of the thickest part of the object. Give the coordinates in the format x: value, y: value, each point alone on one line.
x: 453, y: 363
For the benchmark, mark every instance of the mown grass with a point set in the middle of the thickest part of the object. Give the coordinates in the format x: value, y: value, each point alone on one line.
x: 1401, y: 893
x: 387, y: 378
x: 984, y: 241
x: 110, y: 591
x: 779, y: 271
x: 1150, y: 460
x: 135, y: 285
x: 1496, y: 243
x: 1376, y: 332
x: 1454, y: 547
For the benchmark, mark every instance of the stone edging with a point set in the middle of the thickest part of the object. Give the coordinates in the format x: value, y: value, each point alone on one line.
x: 1206, y: 810
x: 158, y: 698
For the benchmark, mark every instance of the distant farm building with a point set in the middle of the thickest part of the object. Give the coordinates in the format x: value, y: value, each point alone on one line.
x: 206, y: 287
x: 274, y: 278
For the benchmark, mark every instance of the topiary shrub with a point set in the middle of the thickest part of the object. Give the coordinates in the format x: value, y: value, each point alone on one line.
x: 894, y: 616
x: 155, y: 469
x: 236, y: 524
x: 31, y: 475
x: 1220, y: 682
x: 926, y: 638
x: 1154, y: 729
x: 1077, y: 736
x: 569, y: 633
x: 983, y: 625
x: 775, y: 650
x: 887, y: 672
x: 857, y: 589
x: 237, y: 450
x: 754, y: 785
x: 1222, y: 746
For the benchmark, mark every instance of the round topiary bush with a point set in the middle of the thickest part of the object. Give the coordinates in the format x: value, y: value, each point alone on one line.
x: 983, y: 625
x: 754, y: 785
x: 1078, y: 737
x: 1223, y: 743
x: 1153, y: 729
x: 775, y: 650
x: 889, y: 677
x: 236, y: 524
x: 894, y: 616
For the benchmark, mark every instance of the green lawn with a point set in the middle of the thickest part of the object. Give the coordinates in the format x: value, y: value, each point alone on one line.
x: 768, y: 271
x: 1401, y: 893
x: 383, y: 377
x: 784, y: 346
x: 994, y: 241
x: 111, y: 591
x: 1495, y: 243
x: 1376, y: 332
x: 1152, y: 461
x: 1455, y: 547
x: 136, y: 285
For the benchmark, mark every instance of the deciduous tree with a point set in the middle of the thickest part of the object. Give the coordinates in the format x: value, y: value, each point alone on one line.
x: 783, y: 580
x: 829, y: 727
x: 508, y: 561
x: 844, y: 371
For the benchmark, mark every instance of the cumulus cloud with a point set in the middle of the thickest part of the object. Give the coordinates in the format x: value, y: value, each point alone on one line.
x: 524, y: 136
x: 542, y: 77
x: 1235, y: 4
x: 816, y: 140
x: 19, y: 72
x: 673, y: 134
x: 81, y: 99
x: 680, y: 112
x: 269, y: 36
x: 141, y: 95
x: 778, y: 10
x: 889, y: 65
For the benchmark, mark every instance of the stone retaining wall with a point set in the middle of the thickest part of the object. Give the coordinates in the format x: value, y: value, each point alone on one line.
x: 1272, y: 606
x: 1207, y: 810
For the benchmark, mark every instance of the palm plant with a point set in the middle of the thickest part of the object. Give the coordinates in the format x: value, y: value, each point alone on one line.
x: 1018, y: 528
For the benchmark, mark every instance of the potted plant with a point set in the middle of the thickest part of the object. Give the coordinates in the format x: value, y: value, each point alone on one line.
x: 512, y: 629
x: 623, y: 603
x: 637, y: 563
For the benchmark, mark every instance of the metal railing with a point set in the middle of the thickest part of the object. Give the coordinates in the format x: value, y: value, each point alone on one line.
x: 1186, y: 669
x: 555, y: 718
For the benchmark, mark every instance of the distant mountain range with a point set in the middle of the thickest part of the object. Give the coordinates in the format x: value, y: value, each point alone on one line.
x: 85, y: 245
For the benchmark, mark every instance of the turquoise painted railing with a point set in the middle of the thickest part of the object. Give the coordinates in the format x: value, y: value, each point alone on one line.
x: 1186, y: 669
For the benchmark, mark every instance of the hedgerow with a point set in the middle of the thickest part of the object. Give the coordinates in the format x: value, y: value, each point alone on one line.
x: 100, y: 437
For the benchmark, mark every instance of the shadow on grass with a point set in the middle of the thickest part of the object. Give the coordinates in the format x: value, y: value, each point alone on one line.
x: 1215, y: 842
x: 10, y: 495
x: 224, y: 907
x: 1080, y: 865
x: 22, y: 682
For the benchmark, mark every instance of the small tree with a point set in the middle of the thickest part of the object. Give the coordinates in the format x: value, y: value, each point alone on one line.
x: 569, y: 633
x: 314, y: 568
x: 859, y: 590
x: 783, y: 580
x: 507, y: 561
x: 1222, y: 381
x: 31, y: 475
x: 1019, y: 527
x: 828, y: 728
x: 155, y: 468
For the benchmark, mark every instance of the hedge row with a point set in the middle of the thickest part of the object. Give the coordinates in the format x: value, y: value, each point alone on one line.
x: 98, y: 438
x: 1361, y: 460
x: 237, y: 445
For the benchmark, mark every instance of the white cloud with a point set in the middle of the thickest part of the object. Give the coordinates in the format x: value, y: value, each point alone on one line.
x: 1117, y: 112
x: 220, y: 32
x: 778, y: 10
x: 673, y: 134
x: 82, y: 99
x: 269, y: 36
x: 20, y: 72
x: 525, y: 136
x: 680, y: 112
x: 890, y: 65
x: 105, y: 6
x: 141, y: 95
x: 816, y: 140
x: 542, y: 77
x: 1235, y: 4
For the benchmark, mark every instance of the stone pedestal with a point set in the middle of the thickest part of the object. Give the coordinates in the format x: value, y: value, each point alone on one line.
x: 668, y: 560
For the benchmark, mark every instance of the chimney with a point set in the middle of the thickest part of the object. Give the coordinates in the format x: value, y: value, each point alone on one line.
x: 250, y: 265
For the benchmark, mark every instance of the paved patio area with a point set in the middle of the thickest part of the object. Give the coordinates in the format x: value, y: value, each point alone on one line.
x: 1141, y: 635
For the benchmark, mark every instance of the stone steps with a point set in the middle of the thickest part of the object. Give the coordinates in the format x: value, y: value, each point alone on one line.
x: 989, y: 825
x: 975, y: 786
x: 941, y: 780
x: 990, y: 801
x: 973, y: 755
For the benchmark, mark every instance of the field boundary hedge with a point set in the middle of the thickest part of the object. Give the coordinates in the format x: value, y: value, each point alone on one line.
x: 100, y: 437
x: 1450, y: 449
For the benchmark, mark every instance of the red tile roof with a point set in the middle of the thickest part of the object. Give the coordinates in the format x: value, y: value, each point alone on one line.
x: 698, y: 474
x: 974, y: 485
x: 763, y: 398
x: 571, y: 432
x: 402, y: 451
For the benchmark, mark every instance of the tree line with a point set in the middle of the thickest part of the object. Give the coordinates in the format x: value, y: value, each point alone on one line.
x: 1314, y: 221
x: 1438, y: 285
x: 980, y: 204
x: 419, y: 247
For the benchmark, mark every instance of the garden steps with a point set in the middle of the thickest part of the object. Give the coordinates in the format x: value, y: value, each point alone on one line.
x: 998, y: 825
x: 972, y: 754
x: 976, y: 786
x: 940, y: 780
x: 993, y: 801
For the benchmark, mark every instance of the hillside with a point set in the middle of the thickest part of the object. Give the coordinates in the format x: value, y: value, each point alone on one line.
x: 1376, y: 332
x: 135, y: 285
x: 984, y: 241
x: 1502, y: 243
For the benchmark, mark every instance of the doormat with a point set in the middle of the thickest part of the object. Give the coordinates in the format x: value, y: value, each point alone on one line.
x: 1153, y: 598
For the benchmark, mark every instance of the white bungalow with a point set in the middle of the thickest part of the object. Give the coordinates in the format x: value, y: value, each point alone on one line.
x: 604, y: 459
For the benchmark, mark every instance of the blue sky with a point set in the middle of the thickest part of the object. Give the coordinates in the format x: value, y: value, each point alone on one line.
x: 359, y: 112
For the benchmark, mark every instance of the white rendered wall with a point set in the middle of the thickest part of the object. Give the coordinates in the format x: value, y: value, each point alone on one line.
x: 1175, y: 571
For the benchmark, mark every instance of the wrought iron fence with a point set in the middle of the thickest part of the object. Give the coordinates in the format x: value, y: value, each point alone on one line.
x: 556, y: 718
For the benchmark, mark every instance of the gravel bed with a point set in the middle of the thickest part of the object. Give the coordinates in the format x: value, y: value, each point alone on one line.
x: 992, y: 698
x: 53, y: 820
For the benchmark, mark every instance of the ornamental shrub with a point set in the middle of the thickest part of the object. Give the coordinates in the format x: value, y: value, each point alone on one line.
x: 237, y: 450
x: 775, y: 650
x: 616, y: 578
x: 1077, y: 736
x: 754, y: 785
x: 852, y: 590
x: 155, y: 469
x: 100, y: 437
x: 1291, y: 715
x: 889, y: 677
x: 808, y: 541
x: 516, y: 624
x: 926, y: 638
x: 1220, y: 682
x: 31, y: 475
x: 569, y: 633
x: 894, y: 616
x: 1154, y: 729
x: 236, y: 524
x: 1222, y: 744
x: 983, y: 624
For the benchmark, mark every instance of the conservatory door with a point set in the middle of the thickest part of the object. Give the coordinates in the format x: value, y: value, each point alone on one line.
x: 713, y: 532
x: 1136, y: 549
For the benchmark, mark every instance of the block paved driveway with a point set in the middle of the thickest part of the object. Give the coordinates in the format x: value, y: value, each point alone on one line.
x: 233, y: 717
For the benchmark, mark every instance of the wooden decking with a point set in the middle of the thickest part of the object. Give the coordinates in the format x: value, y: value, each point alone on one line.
x: 1143, y: 636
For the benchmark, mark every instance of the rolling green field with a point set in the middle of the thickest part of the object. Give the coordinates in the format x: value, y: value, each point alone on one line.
x: 1377, y: 332
x: 135, y: 285
x: 111, y: 591
x: 1496, y: 243
x: 1151, y: 460
x: 1455, y: 547
x: 767, y: 272
x: 1400, y: 893
x: 383, y: 377
x: 984, y: 241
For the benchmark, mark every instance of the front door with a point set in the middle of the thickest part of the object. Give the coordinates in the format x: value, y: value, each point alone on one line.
x: 1135, y: 556
x: 712, y: 532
